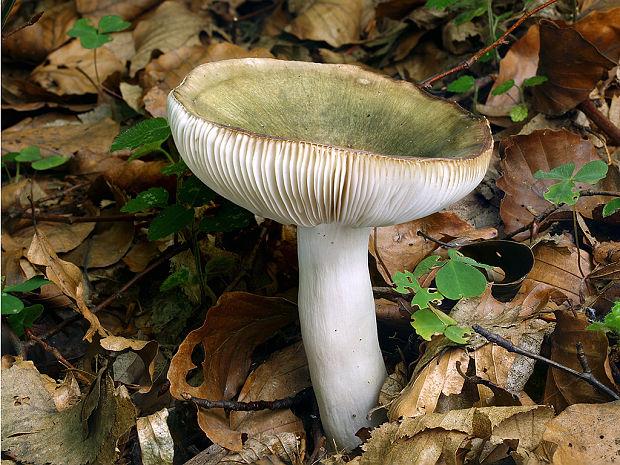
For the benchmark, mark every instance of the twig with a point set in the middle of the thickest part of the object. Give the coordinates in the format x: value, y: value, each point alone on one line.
x: 99, y: 86
x: 510, y: 347
x: 56, y: 329
x: 54, y: 351
x: 61, y: 193
x: 288, y: 402
x: 33, y: 19
x: 468, y: 63
x: 442, y: 244
x: 475, y: 379
x: 605, y: 125
x: 76, y: 219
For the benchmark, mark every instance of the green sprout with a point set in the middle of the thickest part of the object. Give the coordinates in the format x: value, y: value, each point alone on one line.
x: 33, y: 156
x: 19, y: 316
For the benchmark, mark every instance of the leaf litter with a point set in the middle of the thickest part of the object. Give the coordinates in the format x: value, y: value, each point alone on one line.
x: 443, y: 400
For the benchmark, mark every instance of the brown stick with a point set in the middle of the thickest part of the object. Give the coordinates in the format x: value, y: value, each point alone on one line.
x: 33, y: 19
x: 605, y: 125
x: 252, y: 406
x: 510, y: 347
x: 468, y: 63
x: 76, y: 219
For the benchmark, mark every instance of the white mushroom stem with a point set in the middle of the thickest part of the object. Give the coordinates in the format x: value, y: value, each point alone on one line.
x: 339, y: 328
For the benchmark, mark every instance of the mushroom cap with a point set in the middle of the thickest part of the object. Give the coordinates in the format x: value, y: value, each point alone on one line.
x: 309, y: 143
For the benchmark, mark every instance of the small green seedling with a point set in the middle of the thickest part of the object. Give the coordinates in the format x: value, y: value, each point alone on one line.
x: 519, y: 111
x: 18, y: 315
x: 566, y: 191
x: 456, y: 278
x: 146, y: 136
x: 611, y: 322
x: 33, y: 156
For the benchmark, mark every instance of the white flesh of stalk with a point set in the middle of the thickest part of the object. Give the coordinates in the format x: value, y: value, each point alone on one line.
x: 339, y: 328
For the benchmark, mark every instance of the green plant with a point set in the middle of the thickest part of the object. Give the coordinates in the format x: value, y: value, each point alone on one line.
x: 92, y: 37
x: 457, y: 277
x: 33, y: 156
x: 519, y: 111
x: 18, y: 315
x: 146, y: 136
x: 611, y: 322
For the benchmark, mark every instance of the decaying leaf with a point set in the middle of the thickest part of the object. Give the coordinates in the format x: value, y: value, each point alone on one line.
x: 88, y: 432
x: 127, y: 10
x: 66, y: 276
x: 283, y: 445
x: 156, y: 443
x: 146, y: 350
x: 232, y: 329
x: 585, y: 433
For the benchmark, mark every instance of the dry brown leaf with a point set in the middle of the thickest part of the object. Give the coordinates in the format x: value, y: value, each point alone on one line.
x: 66, y: 276
x: 56, y: 135
x: 33, y: 43
x: 231, y: 331
x: 572, y: 64
x: 400, y: 248
x: 523, y: 156
x: 156, y: 444
x: 284, y: 374
x: 62, y: 237
x: 585, y: 433
x: 440, y: 376
x: 171, y: 26
x: 17, y: 194
x: 127, y: 9
x: 140, y: 255
x: 479, y: 432
x: 268, y: 449
x: 60, y: 75
x: 167, y: 71
x: 146, y: 350
x: 564, y: 389
x: 394, y: 384
x: 336, y: 22
x: 137, y: 176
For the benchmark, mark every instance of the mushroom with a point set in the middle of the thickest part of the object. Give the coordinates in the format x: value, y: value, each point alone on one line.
x: 336, y: 150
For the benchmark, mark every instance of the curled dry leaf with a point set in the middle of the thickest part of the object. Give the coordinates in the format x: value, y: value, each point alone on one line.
x: 171, y: 26
x: 524, y: 155
x: 585, y: 433
x: 336, y: 22
x: 156, y: 444
x: 146, y: 350
x: 438, y: 438
x: 66, y: 276
x: 232, y: 329
x: 564, y: 389
x: 439, y: 377
x: 400, y: 248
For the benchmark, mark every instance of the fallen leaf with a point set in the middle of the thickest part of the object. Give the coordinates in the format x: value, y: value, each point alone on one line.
x: 140, y: 255
x: 127, y: 10
x: 16, y: 194
x: 585, y: 433
x: 137, y: 176
x: 146, y: 350
x: 266, y: 448
x: 61, y: 236
x: 171, y: 26
x: 85, y: 433
x: 400, y: 248
x: 564, y: 389
x: 66, y: 276
x: 232, y: 329
x: 156, y: 444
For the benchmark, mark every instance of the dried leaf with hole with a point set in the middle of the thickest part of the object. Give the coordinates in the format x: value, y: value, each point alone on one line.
x: 232, y: 329
x: 564, y: 389
x: 439, y: 377
x: 66, y: 276
x: 585, y: 433
x: 400, y: 248
x: 156, y: 444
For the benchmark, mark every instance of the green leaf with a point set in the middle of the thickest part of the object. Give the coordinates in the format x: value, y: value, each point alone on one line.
x: 177, y: 168
x: 563, y: 172
x: 82, y: 27
x: 445, y: 319
x: 611, y: 207
x: 467, y: 15
x: 153, y: 198
x: 462, y: 84
x: 11, y: 304
x: 459, y: 257
x: 179, y: 278
x: 25, y: 318
x: 612, y: 320
x: 518, y: 113
x: 439, y: 4
x: 10, y: 157
x: 458, y: 335
x: 456, y: 280
x: 227, y: 218
x: 503, y: 87
x: 33, y: 283
x: 31, y: 153
x: 426, y: 324
x: 145, y: 149
x: 534, y: 81
x: 562, y: 192
x: 112, y: 23
x: 424, y: 296
x: 405, y: 282
x: 193, y: 192
x: 219, y: 266
x: 148, y: 131
x: 592, y: 172
x: 170, y: 220
x: 426, y: 264
x: 49, y: 162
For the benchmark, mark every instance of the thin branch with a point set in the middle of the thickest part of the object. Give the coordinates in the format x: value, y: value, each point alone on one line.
x: 56, y: 329
x: 436, y: 241
x: 502, y: 40
x: 605, y: 125
x: 510, y: 347
x: 75, y: 219
x: 33, y: 19
x: 278, y: 404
